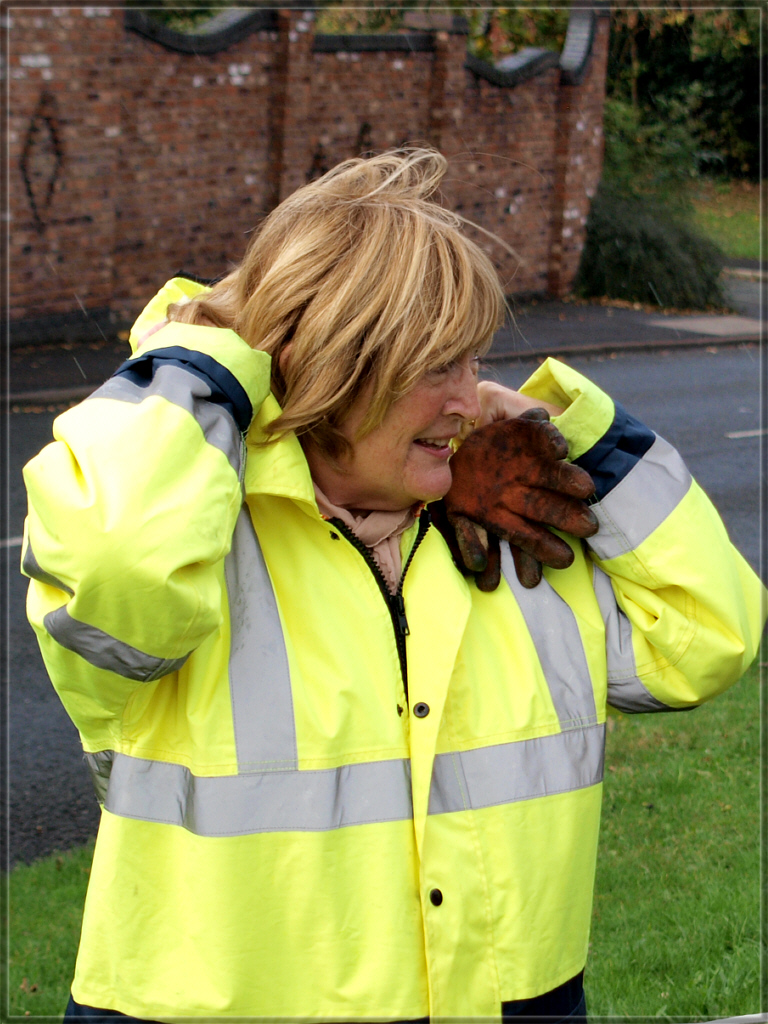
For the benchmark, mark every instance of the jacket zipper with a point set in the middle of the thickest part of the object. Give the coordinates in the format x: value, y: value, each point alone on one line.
x: 395, y: 602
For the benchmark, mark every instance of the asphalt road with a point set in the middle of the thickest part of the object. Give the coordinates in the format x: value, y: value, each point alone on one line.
x: 696, y: 399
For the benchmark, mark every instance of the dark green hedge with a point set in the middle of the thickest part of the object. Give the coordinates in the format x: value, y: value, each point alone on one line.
x: 636, y: 249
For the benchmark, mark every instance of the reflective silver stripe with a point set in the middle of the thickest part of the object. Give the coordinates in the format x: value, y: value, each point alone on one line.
x: 32, y: 568
x: 189, y: 392
x: 100, y: 765
x: 231, y: 805
x: 104, y: 651
x: 638, y: 505
x: 625, y: 690
x: 524, y: 770
x: 557, y: 640
x: 259, y: 679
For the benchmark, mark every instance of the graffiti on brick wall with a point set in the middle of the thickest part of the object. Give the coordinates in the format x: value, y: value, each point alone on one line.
x: 364, y: 147
x: 365, y: 140
x: 320, y: 164
x: 42, y: 158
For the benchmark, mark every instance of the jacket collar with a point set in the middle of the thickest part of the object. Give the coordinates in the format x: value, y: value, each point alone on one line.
x: 280, y: 467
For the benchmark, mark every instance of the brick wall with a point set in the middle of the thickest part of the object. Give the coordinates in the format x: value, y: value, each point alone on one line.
x: 193, y: 166
x: 64, y: 101
x: 130, y: 160
x: 578, y: 161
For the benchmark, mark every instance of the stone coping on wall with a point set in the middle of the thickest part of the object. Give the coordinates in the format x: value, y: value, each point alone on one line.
x: 415, y: 42
x: 231, y: 26
x: 220, y: 32
x: 531, y: 61
x: 578, y: 45
x: 514, y: 69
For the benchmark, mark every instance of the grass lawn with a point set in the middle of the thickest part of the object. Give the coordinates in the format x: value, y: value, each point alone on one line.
x: 45, y: 907
x: 728, y: 212
x: 676, y: 919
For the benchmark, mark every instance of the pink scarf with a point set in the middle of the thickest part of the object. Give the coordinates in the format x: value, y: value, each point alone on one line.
x: 379, y: 531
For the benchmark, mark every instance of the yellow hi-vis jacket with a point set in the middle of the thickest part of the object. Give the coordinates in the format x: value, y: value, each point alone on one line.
x: 285, y: 833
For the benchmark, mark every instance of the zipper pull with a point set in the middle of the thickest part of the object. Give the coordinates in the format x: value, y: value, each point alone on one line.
x: 402, y: 622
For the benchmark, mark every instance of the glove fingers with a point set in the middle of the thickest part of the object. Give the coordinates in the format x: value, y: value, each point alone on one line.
x: 508, y: 439
x: 527, y: 567
x: 537, y: 414
x: 550, y: 550
x: 581, y: 521
x: 536, y: 437
x: 473, y: 551
x: 574, y: 480
x: 556, y: 475
x: 554, y: 509
x: 489, y: 578
x: 534, y: 539
x: 440, y: 519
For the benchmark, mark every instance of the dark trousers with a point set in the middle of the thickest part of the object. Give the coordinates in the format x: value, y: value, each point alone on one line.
x: 77, y: 1014
x: 566, y: 1003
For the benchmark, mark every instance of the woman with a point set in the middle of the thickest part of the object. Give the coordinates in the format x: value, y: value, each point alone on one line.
x: 339, y: 779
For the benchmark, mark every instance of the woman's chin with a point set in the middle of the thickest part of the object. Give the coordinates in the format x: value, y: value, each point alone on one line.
x: 435, y: 486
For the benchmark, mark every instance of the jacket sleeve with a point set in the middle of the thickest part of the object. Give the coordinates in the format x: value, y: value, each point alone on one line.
x: 683, y: 610
x: 131, y: 511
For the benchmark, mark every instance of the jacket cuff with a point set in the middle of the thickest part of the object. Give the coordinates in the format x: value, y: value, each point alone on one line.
x: 588, y: 411
x: 602, y: 437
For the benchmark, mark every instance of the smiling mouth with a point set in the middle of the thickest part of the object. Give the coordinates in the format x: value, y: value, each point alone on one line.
x: 439, y: 446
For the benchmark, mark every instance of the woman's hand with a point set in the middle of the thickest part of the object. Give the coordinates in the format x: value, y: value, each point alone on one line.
x: 500, y: 403
x: 513, y: 486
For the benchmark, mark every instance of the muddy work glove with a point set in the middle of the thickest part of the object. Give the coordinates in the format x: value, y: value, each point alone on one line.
x: 510, y: 482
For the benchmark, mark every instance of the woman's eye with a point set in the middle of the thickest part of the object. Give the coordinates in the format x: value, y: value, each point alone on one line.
x: 455, y: 365
x: 440, y: 372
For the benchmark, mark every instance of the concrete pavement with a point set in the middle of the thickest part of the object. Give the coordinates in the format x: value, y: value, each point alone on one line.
x: 550, y: 327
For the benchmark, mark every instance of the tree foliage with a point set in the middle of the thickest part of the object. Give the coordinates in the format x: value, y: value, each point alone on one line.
x: 501, y: 30
x: 665, y: 123
x: 652, y: 158
x: 706, y: 59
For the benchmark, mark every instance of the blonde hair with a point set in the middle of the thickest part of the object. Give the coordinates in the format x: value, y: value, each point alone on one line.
x: 372, y: 284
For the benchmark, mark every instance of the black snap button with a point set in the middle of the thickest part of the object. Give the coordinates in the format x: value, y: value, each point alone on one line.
x: 421, y: 710
x: 435, y: 897
x: 334, y: 536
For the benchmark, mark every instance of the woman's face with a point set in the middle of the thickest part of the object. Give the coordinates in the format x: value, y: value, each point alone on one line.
x: 405, y: 459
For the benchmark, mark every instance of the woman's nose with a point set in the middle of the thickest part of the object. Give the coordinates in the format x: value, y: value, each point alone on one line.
x: 463, y: 400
